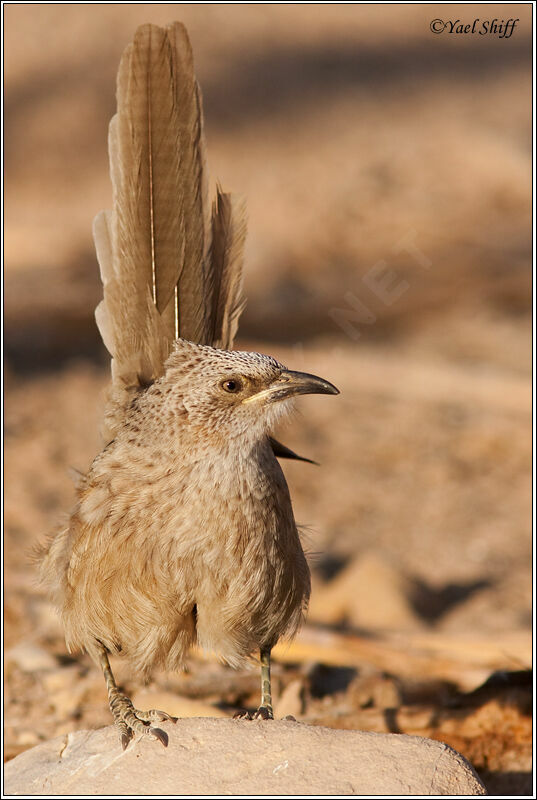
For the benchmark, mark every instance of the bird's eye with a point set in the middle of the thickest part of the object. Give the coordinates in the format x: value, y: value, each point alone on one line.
x: 232, y: 385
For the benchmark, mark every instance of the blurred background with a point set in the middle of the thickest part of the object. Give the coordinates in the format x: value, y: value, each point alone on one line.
x: 388, y: 176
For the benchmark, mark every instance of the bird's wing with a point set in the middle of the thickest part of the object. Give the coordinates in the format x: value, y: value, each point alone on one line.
x: 170, y: 260
x: 281, y: 451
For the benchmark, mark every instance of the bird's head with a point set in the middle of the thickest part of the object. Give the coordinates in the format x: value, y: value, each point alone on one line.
x: 224, y: 393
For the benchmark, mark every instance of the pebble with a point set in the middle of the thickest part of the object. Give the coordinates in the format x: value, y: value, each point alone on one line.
x: 30, y: 657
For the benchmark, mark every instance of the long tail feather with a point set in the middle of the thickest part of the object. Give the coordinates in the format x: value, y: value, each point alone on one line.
x: 229, y: 234
x: 171, y: 263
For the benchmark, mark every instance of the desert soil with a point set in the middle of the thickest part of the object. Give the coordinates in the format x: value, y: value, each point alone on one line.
x: 363, y: 143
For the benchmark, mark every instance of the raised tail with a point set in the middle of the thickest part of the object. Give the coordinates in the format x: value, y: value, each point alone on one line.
x: 170, y: 259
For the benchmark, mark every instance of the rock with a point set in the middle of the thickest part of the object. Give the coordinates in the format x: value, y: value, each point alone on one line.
x: 240, y: 757
x: 68, y: 690
x: 175, y: 704
x: 291, y: 700
x: 29, y: 657
x: 67, y: 702
x: 60, y: 679
x: 374, y: 690
x: 27, y: 738
x: 369, y: 593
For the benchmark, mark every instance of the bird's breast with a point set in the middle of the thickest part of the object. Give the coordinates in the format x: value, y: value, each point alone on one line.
x: 234, y: 504
x: 249, y: 575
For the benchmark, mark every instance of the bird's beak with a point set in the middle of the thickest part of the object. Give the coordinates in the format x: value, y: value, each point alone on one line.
x: 291, y: 383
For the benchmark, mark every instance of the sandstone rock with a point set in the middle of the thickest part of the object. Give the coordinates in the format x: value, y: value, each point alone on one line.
x: 234, y: 757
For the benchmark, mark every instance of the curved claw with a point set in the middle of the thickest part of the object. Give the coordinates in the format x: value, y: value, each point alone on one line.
x: 154, y: 714
x: 164, y: 717
x: 125, y: 739
x: 131, y: 721
x: 242, y: 715
x: 159, y: 734
x: 128, y: 719
x: 125, y: 734
x: 263, y: 713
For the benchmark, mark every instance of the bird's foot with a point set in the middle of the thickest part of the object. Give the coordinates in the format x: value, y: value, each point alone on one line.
x: 263, y: 712
x: 131, y: 720
x: 242, y: 715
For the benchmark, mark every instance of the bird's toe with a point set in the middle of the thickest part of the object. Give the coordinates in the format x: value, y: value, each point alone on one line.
x: 263, y: 712
x: 158, y: 733
x: 154, y: 715
x: 242, y: 715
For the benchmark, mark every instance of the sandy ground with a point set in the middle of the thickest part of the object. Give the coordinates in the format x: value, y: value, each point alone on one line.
x: 387, y: 171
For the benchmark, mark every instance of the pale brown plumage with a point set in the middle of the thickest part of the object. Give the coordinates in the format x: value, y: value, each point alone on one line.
x: 183, y: 530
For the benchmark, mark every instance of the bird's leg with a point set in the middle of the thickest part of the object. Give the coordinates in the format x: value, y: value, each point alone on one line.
x: 265, y: 710
x: 129, y: 719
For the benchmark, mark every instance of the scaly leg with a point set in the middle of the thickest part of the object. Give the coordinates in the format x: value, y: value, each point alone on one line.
x: 265, y: 710
x: 129, y: 719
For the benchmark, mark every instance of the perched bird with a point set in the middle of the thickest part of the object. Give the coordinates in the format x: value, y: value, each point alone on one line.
x: 183, y: 530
